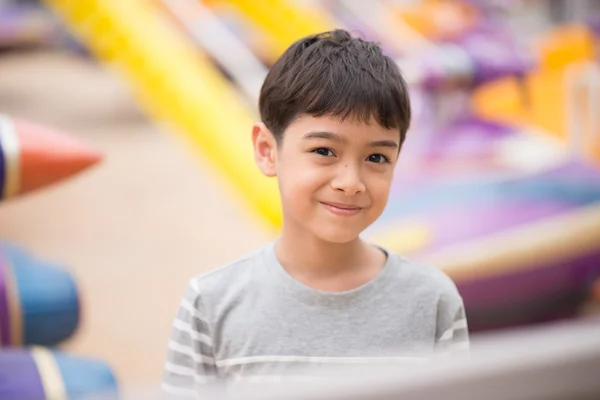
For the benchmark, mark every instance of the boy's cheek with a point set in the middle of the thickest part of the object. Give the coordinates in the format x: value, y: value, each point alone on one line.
x: 303, y: 179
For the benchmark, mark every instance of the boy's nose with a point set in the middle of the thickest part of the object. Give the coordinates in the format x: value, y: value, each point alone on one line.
x: 348, y: 180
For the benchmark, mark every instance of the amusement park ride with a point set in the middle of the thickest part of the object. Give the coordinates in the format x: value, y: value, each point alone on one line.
x: 498, y: 185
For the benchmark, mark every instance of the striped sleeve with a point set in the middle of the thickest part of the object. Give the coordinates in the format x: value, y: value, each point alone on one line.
x: 190, y: 361
x: 453, y: 333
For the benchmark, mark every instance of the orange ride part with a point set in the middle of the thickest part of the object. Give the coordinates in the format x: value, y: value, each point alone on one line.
x: 566, y: 44
x: 48, y: 156
x: 542, y: 102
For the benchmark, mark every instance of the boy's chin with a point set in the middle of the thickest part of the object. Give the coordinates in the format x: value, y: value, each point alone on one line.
x: 336, y: 235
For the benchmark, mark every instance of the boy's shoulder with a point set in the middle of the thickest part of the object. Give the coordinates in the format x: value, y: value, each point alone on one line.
x: 226, y: 275
x: 421, y: 276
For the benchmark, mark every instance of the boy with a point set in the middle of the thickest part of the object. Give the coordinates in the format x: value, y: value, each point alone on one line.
x: 335, y: 112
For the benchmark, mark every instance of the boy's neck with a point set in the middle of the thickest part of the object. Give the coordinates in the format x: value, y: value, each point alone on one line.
x: 311, y: 259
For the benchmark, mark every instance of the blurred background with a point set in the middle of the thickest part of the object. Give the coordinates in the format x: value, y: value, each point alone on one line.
x: 126, y: 164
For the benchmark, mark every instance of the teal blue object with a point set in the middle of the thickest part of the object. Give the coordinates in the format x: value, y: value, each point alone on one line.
x: 462, y: 195
x: 48, y: 297
x: 85, y: 378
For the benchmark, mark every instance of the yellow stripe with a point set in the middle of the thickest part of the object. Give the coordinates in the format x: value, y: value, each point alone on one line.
x: 50, y: 375
x: 14, y: 305
x: 530, y: 247
x: 284, y: 21
x: 10, y: 145
x: 179, y: 87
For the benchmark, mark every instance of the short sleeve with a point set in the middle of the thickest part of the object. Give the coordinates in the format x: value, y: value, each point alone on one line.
x: 453, y: 332
x: 190, y: 357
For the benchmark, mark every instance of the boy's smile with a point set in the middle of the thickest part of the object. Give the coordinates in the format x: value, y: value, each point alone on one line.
x: 334, y: 176
x: 342, y: 209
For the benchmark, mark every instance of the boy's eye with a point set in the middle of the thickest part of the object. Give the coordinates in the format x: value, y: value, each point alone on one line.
x: 378, y: 158
x: 323, y: 152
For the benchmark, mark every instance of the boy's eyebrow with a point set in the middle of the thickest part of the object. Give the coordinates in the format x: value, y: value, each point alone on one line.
x: 384, y: 143
x: 324, y: 135
x: 340, y: 138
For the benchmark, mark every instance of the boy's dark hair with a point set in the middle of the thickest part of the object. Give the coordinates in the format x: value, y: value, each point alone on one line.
x: 333, y: 73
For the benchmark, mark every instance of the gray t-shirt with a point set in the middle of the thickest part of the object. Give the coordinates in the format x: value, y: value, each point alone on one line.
x: 250, y: 319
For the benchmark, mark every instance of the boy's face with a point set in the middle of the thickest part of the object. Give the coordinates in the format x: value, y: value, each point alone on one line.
x: 334, y: 177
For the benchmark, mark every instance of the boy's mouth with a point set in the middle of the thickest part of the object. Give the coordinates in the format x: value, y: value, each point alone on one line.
x: 342, y: 209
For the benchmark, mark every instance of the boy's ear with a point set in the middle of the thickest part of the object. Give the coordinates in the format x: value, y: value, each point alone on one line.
x: 265, y: 149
